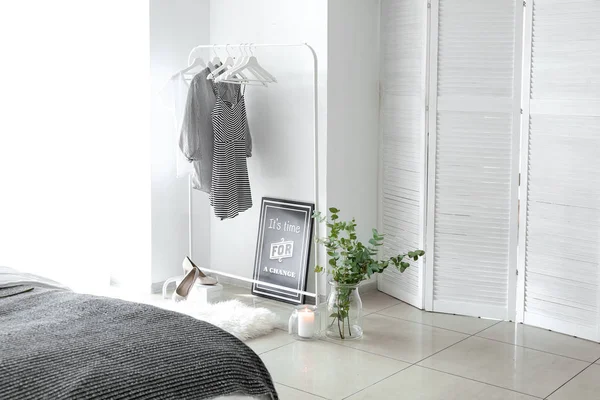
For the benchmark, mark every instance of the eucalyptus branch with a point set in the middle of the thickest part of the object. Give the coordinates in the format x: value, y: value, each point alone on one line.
x: 350, y: 261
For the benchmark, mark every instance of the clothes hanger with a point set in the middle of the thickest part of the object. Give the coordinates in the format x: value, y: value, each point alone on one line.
x: 198, y: 62
x: 244, y: 55
x: 216, y: 75
x: 228, y: 63
x: 247, y: 66
x: 251, y: 64
x: 216, y: 61
x: 257, y: 72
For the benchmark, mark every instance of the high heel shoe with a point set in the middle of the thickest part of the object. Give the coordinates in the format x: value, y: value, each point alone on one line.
x: 183, y: 289
x: 188, y: 265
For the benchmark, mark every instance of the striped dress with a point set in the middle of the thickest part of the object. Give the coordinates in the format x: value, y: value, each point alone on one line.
x: 230, y: 189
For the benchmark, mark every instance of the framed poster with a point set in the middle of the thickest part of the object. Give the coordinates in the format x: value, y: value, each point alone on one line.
x: 283, y: 248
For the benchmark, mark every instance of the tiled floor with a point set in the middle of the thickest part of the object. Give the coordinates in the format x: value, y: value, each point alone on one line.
x: 410, y: 354
x: 407, y: 353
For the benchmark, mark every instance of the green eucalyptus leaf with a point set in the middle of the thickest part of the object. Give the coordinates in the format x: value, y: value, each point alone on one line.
x: 351, y: 261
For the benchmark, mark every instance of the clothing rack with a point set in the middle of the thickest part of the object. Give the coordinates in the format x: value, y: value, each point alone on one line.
x: 315, y: 157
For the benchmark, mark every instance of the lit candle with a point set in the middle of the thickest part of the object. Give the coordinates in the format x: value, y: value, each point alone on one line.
x: 306, y: 323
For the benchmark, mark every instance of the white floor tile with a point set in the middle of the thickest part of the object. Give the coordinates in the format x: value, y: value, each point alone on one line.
x: 402, y: 340
x: 327, y: 369
x: 375, y: 300
x: 544, y: 340
x: 457, y: 323
x: 288, y: 393
x: 417, y: 383
x: 585, y: 386
x: 273, y: 340
x: 523, y: 370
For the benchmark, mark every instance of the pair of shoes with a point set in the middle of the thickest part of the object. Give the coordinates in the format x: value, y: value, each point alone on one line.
x: 192, y: 273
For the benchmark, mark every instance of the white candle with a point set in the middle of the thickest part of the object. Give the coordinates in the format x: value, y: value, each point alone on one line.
x: 306, y: 323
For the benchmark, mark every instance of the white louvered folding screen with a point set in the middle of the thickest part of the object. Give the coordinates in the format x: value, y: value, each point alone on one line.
x: 402, y: 124
x: 473, y: 157
x: 560, y: 287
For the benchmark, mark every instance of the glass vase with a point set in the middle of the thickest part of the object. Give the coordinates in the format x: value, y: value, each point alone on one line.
x: 345, y: 312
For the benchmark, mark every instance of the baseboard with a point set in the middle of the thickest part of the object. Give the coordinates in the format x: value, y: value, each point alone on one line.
x: 156, y: 287
x: 235, y: 282
x: 368, y: 286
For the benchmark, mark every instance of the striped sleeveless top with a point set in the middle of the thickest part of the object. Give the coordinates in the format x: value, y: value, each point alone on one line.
x: 230, y: 188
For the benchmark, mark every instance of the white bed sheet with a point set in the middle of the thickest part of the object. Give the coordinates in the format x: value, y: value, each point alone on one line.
x: 12, y: 277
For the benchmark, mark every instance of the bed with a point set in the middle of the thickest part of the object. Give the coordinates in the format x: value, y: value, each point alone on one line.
x: 58, y: 344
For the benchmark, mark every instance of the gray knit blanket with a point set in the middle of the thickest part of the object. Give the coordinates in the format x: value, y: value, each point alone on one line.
x: 56, y: 344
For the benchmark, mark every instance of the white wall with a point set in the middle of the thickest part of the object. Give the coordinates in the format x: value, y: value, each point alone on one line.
x: 75, y: 178
x: 345, y: 35
x: 280, y: 116
x: 175, y: 28
x: 353, y: 110
x: 74, y: 157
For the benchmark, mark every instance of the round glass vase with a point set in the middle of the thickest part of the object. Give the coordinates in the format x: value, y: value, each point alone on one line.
x: 345, y: 312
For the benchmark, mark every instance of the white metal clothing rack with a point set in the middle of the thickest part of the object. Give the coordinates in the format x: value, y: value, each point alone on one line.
x: 315, y: 157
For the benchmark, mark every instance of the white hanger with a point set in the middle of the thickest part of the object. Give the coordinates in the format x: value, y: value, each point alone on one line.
x: 241, y: 57
x: 198, y: 62
x: 229, y: 77
x: 251, y: 64
x: 228, y: 63
x: 240, y: 61
x: 215, y: 60
x: 261, y: 78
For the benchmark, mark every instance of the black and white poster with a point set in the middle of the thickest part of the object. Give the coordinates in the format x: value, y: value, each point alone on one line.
x: 283, y: 248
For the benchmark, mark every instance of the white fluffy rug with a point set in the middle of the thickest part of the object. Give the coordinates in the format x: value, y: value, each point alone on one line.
x: 242, y: 321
